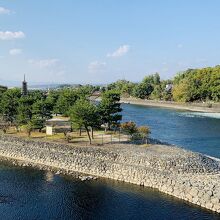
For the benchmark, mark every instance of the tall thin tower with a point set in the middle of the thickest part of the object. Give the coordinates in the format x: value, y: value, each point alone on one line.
x: 24, y: 87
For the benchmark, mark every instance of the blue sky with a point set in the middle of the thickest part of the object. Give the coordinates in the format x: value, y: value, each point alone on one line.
x: 100, y: 41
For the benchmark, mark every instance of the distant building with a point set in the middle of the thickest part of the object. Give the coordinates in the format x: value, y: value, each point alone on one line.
x: 169, y: 87
x: 24, y: 87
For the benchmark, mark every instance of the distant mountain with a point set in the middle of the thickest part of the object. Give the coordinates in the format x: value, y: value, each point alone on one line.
x: 31, y: 85
x: 41, y: 85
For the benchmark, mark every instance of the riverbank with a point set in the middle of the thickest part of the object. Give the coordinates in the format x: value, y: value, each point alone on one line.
x: 186, y: 175
x: 196, y: 107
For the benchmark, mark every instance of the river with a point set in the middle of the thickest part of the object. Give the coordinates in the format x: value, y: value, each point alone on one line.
x: 198, y: 132
x: 27, y: 193
x: 30, y: 194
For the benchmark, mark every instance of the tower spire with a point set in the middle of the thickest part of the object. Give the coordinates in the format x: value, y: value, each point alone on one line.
x: 24, y: 87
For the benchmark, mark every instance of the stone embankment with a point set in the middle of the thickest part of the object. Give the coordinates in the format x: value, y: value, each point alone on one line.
x: 175, y: 171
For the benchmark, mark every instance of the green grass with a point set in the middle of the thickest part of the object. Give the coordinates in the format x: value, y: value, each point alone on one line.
x: 100, y: 137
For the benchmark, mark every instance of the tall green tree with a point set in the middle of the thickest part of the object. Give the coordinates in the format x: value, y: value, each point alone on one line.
x: 8, y: 105
x: 198, y: 84
x: 41, y: 111
x: 144, y: 89
x: 109, y: 108
x: 66, y: 99
x: 24, y: 110
x: 85, y: 114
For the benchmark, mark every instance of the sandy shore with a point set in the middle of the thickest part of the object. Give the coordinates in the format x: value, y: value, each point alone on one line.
x: 195, y: 107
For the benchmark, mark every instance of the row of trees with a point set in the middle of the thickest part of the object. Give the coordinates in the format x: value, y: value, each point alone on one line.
x: 188, y: 86
x: 197, y: 85
x: 32, y: 111
x: 85, y: 114
x: 151, y: 87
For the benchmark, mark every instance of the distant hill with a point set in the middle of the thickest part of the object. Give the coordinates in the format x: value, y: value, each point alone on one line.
x: 41, y: 85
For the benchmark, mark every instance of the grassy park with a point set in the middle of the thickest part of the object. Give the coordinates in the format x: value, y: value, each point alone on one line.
x: 99, y: 138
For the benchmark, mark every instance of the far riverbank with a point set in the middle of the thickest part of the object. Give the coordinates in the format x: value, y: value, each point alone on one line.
x: 196, y: 107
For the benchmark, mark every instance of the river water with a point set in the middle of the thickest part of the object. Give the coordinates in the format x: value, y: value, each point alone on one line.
x: 30, y: 194
x: 198, y: 132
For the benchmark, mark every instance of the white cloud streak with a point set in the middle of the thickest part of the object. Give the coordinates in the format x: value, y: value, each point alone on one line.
x: 4, y: 11
x: 9, y: 35
x: 121, y: 51
x: 15, y: 51
x: 46, y: 63
x: 96, y: 66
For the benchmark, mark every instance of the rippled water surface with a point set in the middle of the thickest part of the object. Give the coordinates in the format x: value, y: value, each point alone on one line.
x: 28, y: 194
x: 195, y: 131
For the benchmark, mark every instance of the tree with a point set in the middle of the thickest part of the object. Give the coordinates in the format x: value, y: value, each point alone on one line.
x: 4, y: 125
x: 157, y: 92
x: 198, y: 85
x: 28, y: 128
x: 143, y: 90
x: 109, y: 108
x: 123, y: 87
x: 8, y: 105
x: 2, y: 90
x: 66, y: 99
x: 24, y: 110
x: 52, y: 99
x: 181, y: 91
x: 41, y: 111
x: 84, y: 114
x: 129, y: 127
x: 144, y: 131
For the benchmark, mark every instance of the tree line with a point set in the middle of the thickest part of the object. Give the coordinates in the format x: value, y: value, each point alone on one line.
x: 33, y: 110
x: 192, y: 85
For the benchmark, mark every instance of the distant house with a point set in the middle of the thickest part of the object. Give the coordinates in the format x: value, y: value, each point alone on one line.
x: 169, y: 87
x: 58, y: 125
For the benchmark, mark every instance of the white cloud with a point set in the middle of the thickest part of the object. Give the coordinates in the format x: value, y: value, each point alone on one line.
x: 96, y: 66
x: 8, y: 35
x: 121, y: 51
x: 46, y: 63
x: 15, y: 51
x: 4, y: 11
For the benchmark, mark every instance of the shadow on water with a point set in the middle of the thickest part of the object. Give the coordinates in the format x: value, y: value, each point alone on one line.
x: 42, y: 195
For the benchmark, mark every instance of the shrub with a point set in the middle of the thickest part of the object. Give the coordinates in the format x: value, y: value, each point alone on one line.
x: 129, y: 127
x: 144, y: 130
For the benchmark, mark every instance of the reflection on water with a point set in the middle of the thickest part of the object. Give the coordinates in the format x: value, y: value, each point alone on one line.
x: 49, y: 176
x: 194, y: 131
x: 41, y: 195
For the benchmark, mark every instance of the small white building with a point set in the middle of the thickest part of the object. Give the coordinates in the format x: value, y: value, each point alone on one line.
x: 57, y: 125
x: 49, y: 130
